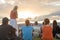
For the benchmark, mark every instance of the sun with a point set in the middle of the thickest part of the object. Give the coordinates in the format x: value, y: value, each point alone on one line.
x: 26, y: 14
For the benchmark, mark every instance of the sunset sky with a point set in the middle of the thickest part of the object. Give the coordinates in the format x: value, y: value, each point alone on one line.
x: 33, y: 7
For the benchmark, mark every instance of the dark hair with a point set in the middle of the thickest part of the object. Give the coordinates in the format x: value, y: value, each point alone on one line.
x: 15, y: 7
x: 43, y: 23
x: 5, y: 20
x: 46, y: 21
x: 27, y: 22
x: 36, y: 23
x: 54, y: 23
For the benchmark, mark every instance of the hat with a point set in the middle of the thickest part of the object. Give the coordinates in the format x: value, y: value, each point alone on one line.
x: 5, y: 19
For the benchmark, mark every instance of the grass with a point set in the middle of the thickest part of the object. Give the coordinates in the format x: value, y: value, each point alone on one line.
x: 40, y: 39
x: 36, y: 39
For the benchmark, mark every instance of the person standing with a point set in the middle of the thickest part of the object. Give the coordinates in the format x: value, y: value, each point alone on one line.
x: 13, y: 17
x: 27, y: 31
x: 47, y: 30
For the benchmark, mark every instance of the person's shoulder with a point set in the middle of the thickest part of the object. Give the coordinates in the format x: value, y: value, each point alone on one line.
x: 50, y: 26
x: 47, y: 25
x: 31, y: 27
x: 13, y: 11
x: 2, y: 25
x: 10, y: 26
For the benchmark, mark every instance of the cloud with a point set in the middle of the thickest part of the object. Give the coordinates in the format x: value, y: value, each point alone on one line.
x: 51, y: 3
x: 37, y: 5
x: 2, y: 1
x: 11, y: 2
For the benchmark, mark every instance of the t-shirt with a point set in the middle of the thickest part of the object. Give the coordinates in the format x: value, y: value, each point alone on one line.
x: 27, y: 32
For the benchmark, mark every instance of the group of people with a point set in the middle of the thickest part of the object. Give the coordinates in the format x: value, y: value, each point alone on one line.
x: 10, y: 32
x: 48, y: 32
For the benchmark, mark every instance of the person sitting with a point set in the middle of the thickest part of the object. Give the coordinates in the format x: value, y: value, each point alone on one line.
x: 47, y: 30
x: 7, y: 32
x: 27, y: 31
x: 56, y: 29
x: 36, y: 29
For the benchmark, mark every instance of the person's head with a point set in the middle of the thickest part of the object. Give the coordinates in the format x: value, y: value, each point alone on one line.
x: 46, y: 21
x: 27, y: 22
x: 36, y: 23
x: 15, y: 8
x: 54, y: 23
x: 43, y: 23
x: 5, y: 20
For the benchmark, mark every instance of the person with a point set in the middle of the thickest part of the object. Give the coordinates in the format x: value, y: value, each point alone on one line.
x: 36, y: 23
x: 55, y: 28
x: 47, y: 30
x: 13, y: 17
x: 36, y: 29
x: 43, y: 23
x: 41, y: 29
x: 27, y: 31
x: 7, y: 32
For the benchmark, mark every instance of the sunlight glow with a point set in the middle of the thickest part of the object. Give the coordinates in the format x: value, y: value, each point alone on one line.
x: 2, y: 1
x: 26, y: 14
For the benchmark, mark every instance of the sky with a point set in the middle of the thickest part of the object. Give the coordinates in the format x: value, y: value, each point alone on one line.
x: 34, y: 7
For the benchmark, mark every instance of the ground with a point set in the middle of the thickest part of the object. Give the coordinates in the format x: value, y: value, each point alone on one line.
x: 40, y: 39
x: 36, y: 39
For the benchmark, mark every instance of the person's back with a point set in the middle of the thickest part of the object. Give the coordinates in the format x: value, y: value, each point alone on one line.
x: 27, y: 32
x: 6, y: 32
x: 3, y: 33
x: 56, y: 31
x: 47, y: 32
x: 56, y: 28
